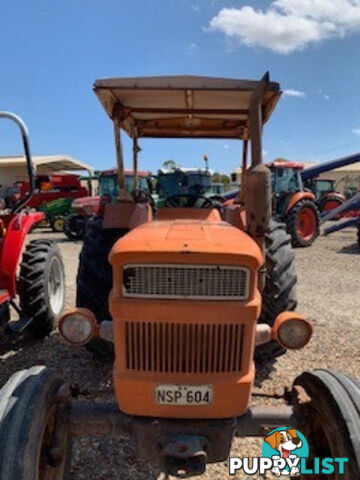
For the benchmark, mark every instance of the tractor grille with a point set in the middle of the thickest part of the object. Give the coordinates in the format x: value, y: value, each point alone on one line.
x: 186, y: 281
x: 183, y: 348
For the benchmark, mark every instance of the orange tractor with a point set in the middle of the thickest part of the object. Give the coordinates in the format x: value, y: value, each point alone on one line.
x: 293, y: 204
x: 184, y: 299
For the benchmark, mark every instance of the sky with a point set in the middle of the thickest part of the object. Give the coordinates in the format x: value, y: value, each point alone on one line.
x: 52, y: 52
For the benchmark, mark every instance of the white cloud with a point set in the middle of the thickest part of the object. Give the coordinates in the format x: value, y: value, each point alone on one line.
x: 264, y: 153
x: 289, y: 25
x: 192, y: 48
x: 356, y: 131
x: 290, y: 92
x: 196, y: 8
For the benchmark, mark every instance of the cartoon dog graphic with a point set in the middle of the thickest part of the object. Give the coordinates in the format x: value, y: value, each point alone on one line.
x: 285, y: 442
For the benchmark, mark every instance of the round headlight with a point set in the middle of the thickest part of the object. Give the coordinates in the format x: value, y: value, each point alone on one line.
x: 78, y: 327
x: 292, y: 330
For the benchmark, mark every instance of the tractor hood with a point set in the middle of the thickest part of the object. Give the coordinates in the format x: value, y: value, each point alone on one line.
x: 86, y: 205
x: 185, y: 235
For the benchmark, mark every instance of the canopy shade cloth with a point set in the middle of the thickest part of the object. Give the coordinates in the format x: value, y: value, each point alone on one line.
x: 184, y: 106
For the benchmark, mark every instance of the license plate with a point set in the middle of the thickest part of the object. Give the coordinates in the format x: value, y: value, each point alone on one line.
x: 184, y: 394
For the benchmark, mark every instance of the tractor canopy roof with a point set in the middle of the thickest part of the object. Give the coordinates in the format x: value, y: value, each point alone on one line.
x: 184, y: 106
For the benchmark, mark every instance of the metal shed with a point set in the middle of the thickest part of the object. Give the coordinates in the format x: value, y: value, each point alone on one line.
x: 13, y: 168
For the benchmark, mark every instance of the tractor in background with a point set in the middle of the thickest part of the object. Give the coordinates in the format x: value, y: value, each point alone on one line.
x: 53, y: 195
x: 179, y: 182
x: 83, y: 208
x: 56, y: 211
x: 300, y: 197
x: 349, y: 208
x: 326, y: 195
x: 33, y: 274
x: 47, y: 187
x: 293, y: 204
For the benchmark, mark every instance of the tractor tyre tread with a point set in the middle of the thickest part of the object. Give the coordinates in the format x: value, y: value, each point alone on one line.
x: 94, y: 279
x: 329, y: 198
x: 335, y: 397
x: 33, y: 285
x: 291, y: 219
x: 279, y: 293
x: 25, y: 401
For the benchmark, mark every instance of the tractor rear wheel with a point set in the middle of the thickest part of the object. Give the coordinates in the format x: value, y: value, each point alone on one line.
x: 33, y: 444
x: 330, y: 202
x: 333, y: 429
x: 279, y: 293
x: 57, y: 223
x: 42, y: 285
x: 94, y: 279
x: 303, y: 223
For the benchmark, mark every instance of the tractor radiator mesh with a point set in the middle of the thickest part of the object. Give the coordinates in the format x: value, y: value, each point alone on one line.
x: 183, y: 348
x: 210, y: 282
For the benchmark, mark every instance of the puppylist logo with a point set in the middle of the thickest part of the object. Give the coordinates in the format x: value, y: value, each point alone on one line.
x: 285, y: 452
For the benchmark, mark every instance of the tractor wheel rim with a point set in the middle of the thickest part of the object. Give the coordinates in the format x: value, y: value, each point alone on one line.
x: 331, y: 205
x: 56, y: 286
x: 306, y: 223
x: 59, y: 224
x: 46, y: 465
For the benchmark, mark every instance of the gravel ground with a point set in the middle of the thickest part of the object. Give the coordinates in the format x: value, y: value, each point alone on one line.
x: 329, y: 294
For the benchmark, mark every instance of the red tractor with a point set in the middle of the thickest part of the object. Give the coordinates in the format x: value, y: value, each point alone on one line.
x: 40, y: 284
x: 327, y: 198
x: 293, y: 204
x: 46, y: 189
x: 84, y: 208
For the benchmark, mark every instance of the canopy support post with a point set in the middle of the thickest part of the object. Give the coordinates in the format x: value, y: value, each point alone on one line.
x: 241, y: 195
x: 256, y: 120
x: 136, y: 150
x: 123, y: 195
x: 258, y: 184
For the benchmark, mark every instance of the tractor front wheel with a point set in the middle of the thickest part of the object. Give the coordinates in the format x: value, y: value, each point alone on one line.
x: 303, y: 223
x: 330, y: 202
x: 75, y: 226
x: 42, y: 285
x: 94, y: 279
x: 57, y: 224
x: 279, y: 293
x: 34, y: 441
x: 332, y: 403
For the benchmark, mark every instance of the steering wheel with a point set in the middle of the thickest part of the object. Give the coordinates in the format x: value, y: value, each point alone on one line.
x: 188, y: 201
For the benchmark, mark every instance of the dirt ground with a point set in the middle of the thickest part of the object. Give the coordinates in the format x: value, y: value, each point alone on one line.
x: 328, y: 293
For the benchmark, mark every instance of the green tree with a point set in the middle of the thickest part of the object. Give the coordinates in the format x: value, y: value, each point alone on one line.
x: 169, y: 165
x: 217, y: 177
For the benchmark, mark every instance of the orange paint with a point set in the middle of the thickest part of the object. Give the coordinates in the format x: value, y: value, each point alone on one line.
x: 297, y: 197
x: 200, y: 239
